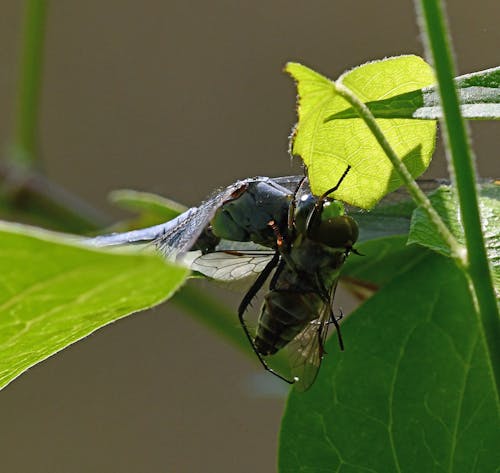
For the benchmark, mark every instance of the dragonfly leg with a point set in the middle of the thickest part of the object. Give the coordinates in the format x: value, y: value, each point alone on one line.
x: 283, y: 245
x: 247, y: 299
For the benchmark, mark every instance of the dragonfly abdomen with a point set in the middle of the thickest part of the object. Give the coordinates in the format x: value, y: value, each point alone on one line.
x: 284, y: 315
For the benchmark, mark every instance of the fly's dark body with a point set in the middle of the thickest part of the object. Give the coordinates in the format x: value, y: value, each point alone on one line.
x: 294, y: 299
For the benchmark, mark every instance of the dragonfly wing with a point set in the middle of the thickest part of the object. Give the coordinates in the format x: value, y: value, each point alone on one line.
x: 228, y: 265
x: 288, y: 182
x: 142, y: 235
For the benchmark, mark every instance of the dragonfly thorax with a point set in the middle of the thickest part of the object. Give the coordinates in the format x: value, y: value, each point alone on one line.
x: 247, y: 216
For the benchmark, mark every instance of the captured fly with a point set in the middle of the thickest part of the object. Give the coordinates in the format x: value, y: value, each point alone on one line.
x: 269, y: 228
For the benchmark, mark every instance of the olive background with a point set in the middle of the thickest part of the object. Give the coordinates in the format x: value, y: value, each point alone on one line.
x: 179, y: 98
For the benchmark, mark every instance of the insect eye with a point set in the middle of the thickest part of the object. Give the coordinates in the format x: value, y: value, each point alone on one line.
x: 337, y: 232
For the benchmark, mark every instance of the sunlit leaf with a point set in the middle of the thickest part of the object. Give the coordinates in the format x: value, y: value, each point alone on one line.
x: 54, y: 293
x: 328, y: 148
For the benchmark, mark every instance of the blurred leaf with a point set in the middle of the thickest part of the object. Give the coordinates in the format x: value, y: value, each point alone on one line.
x: 54, y: 293
x: 412, y: 391
x: 479, y: 95
x: 152, y: 208
x: 327, y: 148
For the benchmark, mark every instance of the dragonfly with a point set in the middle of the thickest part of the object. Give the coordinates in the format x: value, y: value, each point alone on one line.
x: 268, y: 229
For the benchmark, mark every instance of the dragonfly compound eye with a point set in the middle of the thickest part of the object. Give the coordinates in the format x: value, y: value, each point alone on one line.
x: 337, y: 232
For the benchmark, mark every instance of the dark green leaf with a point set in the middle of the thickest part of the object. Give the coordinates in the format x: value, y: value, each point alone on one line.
x: 412, y: 392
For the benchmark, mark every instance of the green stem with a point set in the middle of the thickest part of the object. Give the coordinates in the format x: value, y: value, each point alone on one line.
x: 417, y: 194
x: 29, y: 82
x: 461, y: 160
x: 30, y: 196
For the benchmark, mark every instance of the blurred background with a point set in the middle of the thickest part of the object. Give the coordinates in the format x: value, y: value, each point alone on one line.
x: 179, y: 98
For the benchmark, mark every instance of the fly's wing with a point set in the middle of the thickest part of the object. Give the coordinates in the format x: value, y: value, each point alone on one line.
x: 306, y: 350
x: 228, y: 265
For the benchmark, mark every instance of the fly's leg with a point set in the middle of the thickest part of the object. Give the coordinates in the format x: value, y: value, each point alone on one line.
x: 333, y: 317
x: 252, y: 292
x: 333, y: 320
x: 328, y: 299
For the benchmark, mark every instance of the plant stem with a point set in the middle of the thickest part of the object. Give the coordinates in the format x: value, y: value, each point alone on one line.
x: 29, y: 194
x: 24, y: 146
x: 420, y: 198
x: 461, y: 160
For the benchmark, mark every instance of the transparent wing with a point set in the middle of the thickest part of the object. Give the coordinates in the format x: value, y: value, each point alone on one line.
x: 228, y: 265
x: 179, y: 239
x: 306, y: 351
x: 288, y: 182
x: 142, y: 235
x: 178, y: 235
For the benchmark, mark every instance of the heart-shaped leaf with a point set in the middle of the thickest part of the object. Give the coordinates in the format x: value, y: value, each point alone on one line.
x: 328, y: 148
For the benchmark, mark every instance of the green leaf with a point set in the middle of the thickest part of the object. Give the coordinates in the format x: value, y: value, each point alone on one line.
x: 327, y: 148
x: 479, y: 95
x: 411, y: 392
x: 152, y: 209
x: 382, y: 261
x: 445, y: 202
x: 54, y: 292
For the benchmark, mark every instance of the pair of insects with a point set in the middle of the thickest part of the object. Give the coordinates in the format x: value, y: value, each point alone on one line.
x: 272, y: 229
